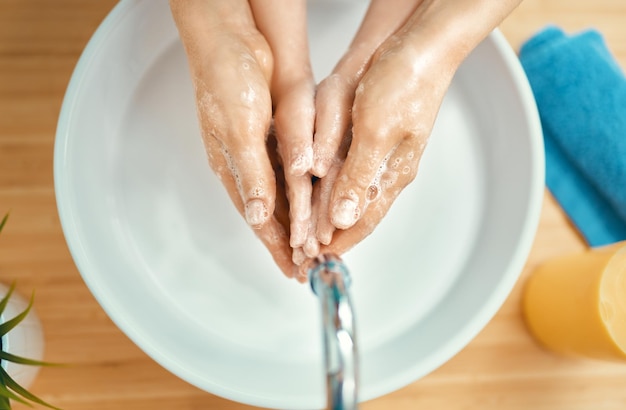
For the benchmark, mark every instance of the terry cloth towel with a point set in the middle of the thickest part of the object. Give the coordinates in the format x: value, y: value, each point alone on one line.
x: 581, y: 97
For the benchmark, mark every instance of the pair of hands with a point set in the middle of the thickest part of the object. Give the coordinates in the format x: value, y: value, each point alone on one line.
x: 268, y: 129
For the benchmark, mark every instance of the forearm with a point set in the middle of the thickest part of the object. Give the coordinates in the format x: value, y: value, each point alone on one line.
x: 451, y: 29
x: 382, y: 19
x: 283, y: 23
x: 224, y: 31
x: 199, y: 21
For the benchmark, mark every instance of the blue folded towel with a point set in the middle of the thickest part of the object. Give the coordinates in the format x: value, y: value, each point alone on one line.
x: 581, y: 97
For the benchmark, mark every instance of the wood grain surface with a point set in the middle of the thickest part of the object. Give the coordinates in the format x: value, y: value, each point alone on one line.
x: 40, y: 42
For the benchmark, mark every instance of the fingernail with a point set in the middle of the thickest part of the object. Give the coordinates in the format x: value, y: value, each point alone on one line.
x: 256, y: 213
x: 321, y: 163
x: 298, y: 256
x: 302, y: 163
x: 320, y: 167
x: 325, y: 236
x: 298, y: 235
x: 311, y: 247
x: 345, y: 213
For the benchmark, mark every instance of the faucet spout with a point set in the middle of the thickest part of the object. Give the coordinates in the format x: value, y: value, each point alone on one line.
x: 330, y: 281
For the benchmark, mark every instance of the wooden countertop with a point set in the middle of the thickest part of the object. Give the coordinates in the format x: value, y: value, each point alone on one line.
x: 40, y: 41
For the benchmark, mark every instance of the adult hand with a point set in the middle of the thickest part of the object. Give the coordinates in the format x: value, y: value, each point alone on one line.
x: 376, y: 110
x: 232, y: 62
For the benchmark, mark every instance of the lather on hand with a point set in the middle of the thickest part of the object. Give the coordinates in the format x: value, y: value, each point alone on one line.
x: 376, y: 111
x: 249, y: 62
x: 364, y: 134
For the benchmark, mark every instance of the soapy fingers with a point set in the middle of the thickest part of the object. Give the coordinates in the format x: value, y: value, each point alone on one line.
x: 284, y: 26
x: 395, y: 104
x: 335, y: 94
x: 394, y: 110
x: 231, y: 67
x: 232, y: 97
x: 334, y: 111
x: 401, y: 169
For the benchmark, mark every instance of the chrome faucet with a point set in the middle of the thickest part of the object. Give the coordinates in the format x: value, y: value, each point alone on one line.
x: 330, y: 281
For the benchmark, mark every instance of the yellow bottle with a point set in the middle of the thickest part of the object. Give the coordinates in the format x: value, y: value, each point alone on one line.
x: 576, y: 304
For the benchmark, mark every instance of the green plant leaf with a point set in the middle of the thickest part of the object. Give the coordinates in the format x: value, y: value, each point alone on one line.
x: 10, y: 324
x: 6, y: 393
x: 4, y: 403
x: 29, y: 362
x: 4, y: 221
x: 13, y: 385
x: 5, y: 299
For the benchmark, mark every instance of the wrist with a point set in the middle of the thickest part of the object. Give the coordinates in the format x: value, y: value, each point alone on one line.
x: 454, y: 27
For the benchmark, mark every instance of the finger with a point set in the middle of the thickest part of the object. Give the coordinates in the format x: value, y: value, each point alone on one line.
x: 333, y: 103
x: 248, y: 177
x: 276, y: 240
x: 254, y: 179
x: 325, y: 228
x: 402, y: 167
x: 299, y: 195
x: 280, y: 249
x: 293, y: 120
x: 311, y: 246
x: 239, y: 144
x: 281, y: 209
x: 298, y: 256
x: 373, y: 142
x: 300, y: 274
x: 273, y: 233
x: 284, y: 26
